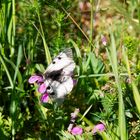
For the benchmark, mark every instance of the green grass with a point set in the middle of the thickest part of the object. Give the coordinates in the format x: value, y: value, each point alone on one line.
x: 32, y: 33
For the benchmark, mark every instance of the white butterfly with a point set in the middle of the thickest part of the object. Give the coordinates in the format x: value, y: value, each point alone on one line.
x: 58, y: 75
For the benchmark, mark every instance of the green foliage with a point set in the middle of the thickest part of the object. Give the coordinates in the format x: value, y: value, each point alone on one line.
x: 5, y: 126
x: 107, y: 90
x: 132, y: 45
x: 67, y: 136
x: 109, y: 101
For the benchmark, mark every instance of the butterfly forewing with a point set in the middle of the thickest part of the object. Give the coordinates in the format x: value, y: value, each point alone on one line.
x: 63, y: 60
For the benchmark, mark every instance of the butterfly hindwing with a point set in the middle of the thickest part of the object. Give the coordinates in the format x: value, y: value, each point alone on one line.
x: 59, y: 90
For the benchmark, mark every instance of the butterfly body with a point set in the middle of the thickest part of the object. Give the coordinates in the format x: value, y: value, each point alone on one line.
x: 58, y: 75
x: 54, y: 75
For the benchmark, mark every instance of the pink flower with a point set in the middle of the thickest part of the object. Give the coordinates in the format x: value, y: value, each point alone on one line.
x: 104, y: 40
x: 74, y: 82
x: 35, y: 78
x: 42, y: 88
x: 40, y: 81
x: 44, y: 98
x: 98, y: 128
x: 75, y: 113
x: 77, y: 130
x: 73, y: 117
x: 70, y: 127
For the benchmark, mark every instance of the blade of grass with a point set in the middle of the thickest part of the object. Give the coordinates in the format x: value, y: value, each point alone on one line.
x: 14, y: 97
x: 19, y: 57
x: 112, y: 55
x: 138, y: 12
x: 136, y: 93
x: 92, y: 20
x: 91, y: 25
x: 68, y: 14
x: 86, y: 112
x: 13, y: 22
x: 40, y: 108
x: 19, y: 76
x: 86, y: 64
x: 9, y: 37
x: 101, y: 75
x: 78, y: 54
x: 7, y: 72
x: 10, y: 25
x: 47, y: 52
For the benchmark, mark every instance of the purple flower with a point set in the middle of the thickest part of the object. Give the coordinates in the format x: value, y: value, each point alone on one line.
x: 77, y: 130
x: 75, y: 113
x: 104, y: 40
x: 44, y: 98
x: 74, y: 82
x: 98, y: 128
x: 70, y: 127
x: 35, y: 78
x: 42, y: 88
x: 73, y: 116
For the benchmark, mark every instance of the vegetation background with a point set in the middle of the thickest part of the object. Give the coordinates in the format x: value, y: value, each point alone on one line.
x: 105, y: 38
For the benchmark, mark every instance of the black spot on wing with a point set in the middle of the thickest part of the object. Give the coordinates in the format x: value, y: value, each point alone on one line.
x: 59, y: 58
x: 53, y: 62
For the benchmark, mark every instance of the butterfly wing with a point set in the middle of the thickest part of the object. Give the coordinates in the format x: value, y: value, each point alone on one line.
x: 63, y: 62
x: 62, y: 89
x: 58, y: 75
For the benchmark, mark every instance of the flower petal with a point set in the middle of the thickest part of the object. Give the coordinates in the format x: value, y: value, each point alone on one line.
x: 99, y: 127
x: 75, y: 113
x: 42, y: 88
x: 104, y: 40
x: 70, y: 127
x: 77, y: 130
x: 74, y: 82
x: 35, y: 78
x: 44, y: 98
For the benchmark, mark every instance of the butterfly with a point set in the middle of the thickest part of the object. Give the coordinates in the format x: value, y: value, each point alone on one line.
x: 58, y: 75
